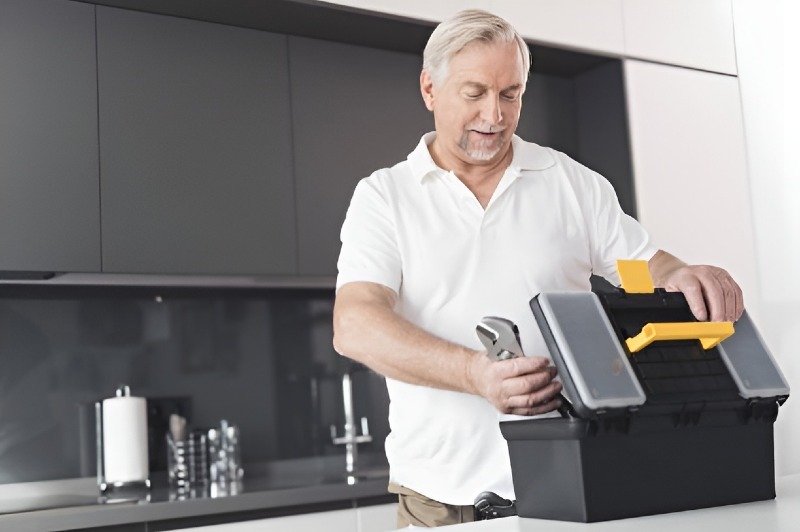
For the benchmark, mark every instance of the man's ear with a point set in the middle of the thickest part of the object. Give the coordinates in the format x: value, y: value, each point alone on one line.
x: 426, y: 88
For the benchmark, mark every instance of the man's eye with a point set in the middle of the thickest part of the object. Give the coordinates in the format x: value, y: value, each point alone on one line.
x: 511, y: 97
x: 473, y: 95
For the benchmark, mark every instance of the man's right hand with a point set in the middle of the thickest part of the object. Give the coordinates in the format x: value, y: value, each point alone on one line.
x: 522, y: 385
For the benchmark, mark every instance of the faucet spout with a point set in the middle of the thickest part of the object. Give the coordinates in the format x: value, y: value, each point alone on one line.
x: 351, y: 449
x: 351, y: 438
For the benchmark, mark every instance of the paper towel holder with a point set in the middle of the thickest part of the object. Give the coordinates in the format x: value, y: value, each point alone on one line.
x: 116, y: 491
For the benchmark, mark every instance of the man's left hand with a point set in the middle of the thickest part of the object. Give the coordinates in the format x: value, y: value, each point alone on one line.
x: 711, y: 292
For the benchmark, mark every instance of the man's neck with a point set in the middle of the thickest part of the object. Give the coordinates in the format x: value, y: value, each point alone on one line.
x: 482, y: 178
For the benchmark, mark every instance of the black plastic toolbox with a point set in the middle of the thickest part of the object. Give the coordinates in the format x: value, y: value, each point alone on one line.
x: 700, y: 433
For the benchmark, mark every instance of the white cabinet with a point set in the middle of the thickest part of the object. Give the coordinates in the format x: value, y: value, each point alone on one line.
x: 588, y: 24
x: 687, y: 143
x: 681, y: 32
x: 692, y: 33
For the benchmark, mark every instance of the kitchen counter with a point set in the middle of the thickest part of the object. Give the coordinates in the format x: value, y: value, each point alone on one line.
x: 275, y: 488
x: 779, y: 515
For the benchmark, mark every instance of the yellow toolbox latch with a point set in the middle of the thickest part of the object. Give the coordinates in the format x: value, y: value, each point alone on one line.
x: 635, y: 276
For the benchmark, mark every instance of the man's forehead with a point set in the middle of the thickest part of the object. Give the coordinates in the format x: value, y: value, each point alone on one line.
x: 478, y: 63
x: 478, y: 77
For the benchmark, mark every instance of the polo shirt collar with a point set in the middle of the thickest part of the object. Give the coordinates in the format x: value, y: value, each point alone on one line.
x: 420, y: 159
x: 527, y: 157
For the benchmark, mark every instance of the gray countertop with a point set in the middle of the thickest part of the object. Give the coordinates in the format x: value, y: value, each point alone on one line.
x: 282, y: 485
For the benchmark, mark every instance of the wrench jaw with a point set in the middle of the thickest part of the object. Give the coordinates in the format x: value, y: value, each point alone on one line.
x: 500, y: 337
x: 487, y: 335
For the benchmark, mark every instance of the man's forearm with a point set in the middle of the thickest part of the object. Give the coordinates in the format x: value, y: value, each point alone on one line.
x: 662, y: 265
x: 367, y: 329
x: 370, y: 332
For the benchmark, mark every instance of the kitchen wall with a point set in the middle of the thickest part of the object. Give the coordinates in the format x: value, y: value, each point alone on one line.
x: 260, y: 359
x: 767, y: 43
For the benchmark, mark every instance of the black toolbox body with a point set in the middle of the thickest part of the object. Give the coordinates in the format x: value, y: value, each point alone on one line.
x: 694, y: 443
x: 565, y: 470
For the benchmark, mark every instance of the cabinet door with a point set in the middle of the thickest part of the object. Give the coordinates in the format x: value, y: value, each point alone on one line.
x: 195, y: 144
x: 49, y: 206
x: 355, y: 110
x: 681, y: 32
x: 585, y: 24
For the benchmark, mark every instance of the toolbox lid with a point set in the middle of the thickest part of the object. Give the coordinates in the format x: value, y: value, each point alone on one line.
x: 644, y: 353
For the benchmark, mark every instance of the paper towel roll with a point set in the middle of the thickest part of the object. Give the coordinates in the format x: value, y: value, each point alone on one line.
x: 125, y: 439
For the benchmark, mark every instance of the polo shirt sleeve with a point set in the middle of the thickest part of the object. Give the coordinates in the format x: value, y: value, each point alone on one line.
x: 369, y: 240
x: 613, y: 234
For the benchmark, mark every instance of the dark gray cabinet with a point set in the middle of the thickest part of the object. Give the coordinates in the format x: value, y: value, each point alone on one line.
x: 134, y: 142
x: 49, y: 208
x: 354, y: 110
x: 196, y: 147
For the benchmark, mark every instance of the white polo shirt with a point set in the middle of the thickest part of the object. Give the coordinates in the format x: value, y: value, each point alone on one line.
x: 419, y: 230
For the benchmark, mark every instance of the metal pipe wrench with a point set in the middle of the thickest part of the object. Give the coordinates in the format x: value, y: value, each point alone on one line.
x: 500, y: 337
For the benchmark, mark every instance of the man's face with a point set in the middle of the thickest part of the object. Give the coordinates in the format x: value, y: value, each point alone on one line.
x: 476, y: 107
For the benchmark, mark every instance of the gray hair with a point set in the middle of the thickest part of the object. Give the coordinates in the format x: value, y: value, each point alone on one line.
x: 466, y: 27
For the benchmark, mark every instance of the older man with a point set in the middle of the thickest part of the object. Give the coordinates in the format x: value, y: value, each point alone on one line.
x: 475, y: 222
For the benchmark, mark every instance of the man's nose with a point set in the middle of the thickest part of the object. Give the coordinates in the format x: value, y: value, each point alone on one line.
x: 491, y: 110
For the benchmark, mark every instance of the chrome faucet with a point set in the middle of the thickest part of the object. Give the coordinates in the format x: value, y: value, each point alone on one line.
x: 351, y: 437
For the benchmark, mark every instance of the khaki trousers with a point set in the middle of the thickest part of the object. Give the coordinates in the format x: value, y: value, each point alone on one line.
x: 416, y: 509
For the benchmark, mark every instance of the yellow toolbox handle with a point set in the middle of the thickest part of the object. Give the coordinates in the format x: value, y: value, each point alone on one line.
x: 710, y: 333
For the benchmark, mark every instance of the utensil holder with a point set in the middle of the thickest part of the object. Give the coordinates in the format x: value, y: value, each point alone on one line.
x: 225, y: 459
x: 187, y: 461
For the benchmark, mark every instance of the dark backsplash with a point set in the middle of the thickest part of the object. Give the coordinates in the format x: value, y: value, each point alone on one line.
x: 262, y: 359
